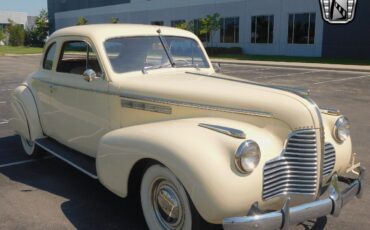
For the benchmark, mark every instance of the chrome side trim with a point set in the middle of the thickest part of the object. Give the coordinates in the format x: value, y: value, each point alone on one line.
x: 67, y: 161
x: 330, y: 111
x: 225, y: 130
x: 196, y: 105
x: 177, y: 102
x: 146, y: 106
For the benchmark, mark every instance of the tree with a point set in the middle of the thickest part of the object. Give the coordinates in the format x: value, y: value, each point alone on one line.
x: 81, y: 21
x: 115, y: 20
x: 186, y: 26
x: 2, y: 35
x: 37, y: 35
x: 17, y: 34
x: 209, y: 25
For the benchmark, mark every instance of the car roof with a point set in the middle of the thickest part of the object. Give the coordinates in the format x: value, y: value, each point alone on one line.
x: 106, y: 31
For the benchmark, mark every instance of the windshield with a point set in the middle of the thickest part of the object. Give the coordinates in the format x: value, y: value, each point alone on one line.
x: 127, y: 54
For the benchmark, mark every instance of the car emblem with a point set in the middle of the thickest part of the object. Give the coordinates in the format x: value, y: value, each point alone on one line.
x: 338, y: 11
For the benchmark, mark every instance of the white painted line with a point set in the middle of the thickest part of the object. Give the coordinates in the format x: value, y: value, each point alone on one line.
x: 290, y: 74
x: 3, y: 122
x: 7, y: 89
x: 342, y: 79
x: 17, y: 163
x: 2, y: 102
x: 24, y: 162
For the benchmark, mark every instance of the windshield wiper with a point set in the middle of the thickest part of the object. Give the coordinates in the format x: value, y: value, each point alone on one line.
x: 146, y: 68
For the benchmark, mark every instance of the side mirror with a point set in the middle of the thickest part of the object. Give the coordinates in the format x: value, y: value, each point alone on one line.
x: 89, y: 75
x: 216, y: 67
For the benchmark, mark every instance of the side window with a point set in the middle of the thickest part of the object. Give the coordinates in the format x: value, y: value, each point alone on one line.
x: 49, y: 57
x: 76, y: 57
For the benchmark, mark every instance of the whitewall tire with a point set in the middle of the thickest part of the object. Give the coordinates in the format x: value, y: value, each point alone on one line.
x: 164, y: 200
x: 30, y: 147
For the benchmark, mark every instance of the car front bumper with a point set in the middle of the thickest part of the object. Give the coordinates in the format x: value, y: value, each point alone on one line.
x: 287, y: 216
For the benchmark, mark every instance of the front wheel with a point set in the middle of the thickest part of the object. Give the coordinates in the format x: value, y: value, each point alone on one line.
x: 166, y: 204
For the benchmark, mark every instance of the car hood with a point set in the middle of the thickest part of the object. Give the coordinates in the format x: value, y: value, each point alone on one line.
x: 196, y: 88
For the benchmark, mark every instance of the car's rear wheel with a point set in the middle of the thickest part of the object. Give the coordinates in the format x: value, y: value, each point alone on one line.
x: 165, y: 202
x: 30, y: 148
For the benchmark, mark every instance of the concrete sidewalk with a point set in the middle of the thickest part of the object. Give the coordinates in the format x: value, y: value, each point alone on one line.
x: 338, y: 67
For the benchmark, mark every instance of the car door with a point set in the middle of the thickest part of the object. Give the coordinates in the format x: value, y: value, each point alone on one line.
x: 80, y: 107
x: 41, y: 83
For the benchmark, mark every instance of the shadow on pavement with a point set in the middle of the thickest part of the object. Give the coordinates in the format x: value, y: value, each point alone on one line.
x: 90, y: 205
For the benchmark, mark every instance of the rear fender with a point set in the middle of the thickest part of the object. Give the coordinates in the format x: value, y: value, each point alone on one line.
x: 24, y: 114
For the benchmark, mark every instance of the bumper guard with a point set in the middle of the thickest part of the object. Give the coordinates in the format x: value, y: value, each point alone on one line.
x: 294, y: 215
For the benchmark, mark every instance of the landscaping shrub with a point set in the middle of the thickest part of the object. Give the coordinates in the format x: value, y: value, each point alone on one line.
x: 224, y: 50
x: 17, y: 34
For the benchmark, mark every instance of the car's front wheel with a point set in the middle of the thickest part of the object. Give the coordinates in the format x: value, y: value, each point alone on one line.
x: 165, y: 202
x: 30, y: 148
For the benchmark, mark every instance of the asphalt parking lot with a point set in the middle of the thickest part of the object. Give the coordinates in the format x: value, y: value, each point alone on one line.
x: 49, y: 194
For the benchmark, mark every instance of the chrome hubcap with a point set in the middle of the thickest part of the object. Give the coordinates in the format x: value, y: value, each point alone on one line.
x: 167, y: 204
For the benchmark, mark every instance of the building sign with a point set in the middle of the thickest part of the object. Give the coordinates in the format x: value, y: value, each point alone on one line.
x: 338, y: 11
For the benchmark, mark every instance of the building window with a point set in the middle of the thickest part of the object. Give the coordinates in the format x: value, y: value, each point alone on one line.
x: 197, y: 26
x: 262, y: 29
x: 174, y: 23
x: 157, y: 23
x: 302, y: 28
x: 229, y: 30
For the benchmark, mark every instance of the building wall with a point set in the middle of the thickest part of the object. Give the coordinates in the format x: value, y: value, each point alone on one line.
x: 351, y: 40
x: 144, y: 11
x: 17, y: 17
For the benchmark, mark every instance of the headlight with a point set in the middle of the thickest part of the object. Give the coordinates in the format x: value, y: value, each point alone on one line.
x: 247, y: 156
x: 341, y: 129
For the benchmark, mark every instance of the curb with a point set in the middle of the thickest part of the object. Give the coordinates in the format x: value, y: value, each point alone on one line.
x: 20, y: 55
x: 335, y: 67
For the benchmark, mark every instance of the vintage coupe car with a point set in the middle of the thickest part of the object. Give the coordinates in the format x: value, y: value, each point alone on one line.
x: 142, y: 109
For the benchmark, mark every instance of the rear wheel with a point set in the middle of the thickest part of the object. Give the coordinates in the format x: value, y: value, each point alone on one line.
x: 166, y: 204
x: 30, y: 148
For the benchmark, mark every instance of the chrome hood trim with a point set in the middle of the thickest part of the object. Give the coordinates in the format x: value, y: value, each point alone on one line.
x: 225, y: 130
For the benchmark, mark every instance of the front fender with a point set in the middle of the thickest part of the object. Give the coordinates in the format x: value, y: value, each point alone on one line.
x: 202, y: 159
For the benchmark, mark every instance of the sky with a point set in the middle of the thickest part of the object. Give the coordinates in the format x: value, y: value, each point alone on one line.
x: 32, y: 7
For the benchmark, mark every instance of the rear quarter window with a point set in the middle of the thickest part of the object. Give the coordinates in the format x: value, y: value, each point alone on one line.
x: 49, y: 57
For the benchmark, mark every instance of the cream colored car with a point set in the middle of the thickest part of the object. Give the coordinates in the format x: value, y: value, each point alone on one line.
x: 142, y: 109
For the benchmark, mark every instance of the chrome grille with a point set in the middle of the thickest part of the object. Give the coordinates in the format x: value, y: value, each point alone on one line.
x: 329, y: 159
x: 295, y: 172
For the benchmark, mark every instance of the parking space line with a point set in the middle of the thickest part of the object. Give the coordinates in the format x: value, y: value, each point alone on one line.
x: 342, y: 79
x: 2, y: 102
x: 24, y: 162
x: 3, y: 122
x: 290, y: 74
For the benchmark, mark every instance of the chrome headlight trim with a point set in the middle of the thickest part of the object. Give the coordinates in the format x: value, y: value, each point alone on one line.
x: 341, y: 129
x: 247, y: 156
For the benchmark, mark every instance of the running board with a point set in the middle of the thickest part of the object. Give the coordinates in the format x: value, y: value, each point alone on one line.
x: 78, y: 160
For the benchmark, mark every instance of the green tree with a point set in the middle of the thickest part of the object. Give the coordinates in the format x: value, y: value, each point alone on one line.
x: 81, y: 21
x: 210, y: 25
x: 186, y: 26
x: 115, y: 20
x: 2, y: 35
x: 17, y: 34
x: 37, y: 35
